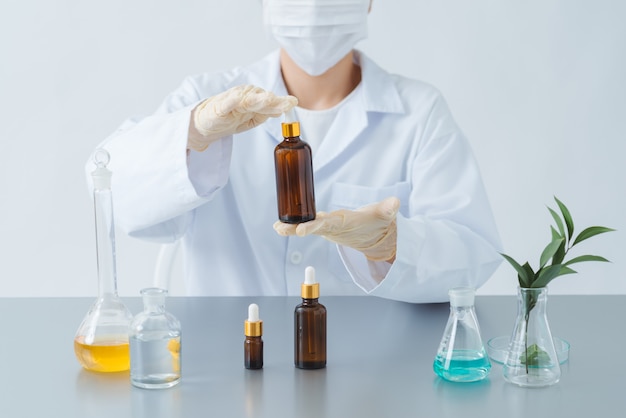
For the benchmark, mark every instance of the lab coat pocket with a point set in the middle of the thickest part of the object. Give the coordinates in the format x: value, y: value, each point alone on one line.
x: 351, y: 196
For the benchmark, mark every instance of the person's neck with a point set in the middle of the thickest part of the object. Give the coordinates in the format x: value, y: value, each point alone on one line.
x: 323, y: 91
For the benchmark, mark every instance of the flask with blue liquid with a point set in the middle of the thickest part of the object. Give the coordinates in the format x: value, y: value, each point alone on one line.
x: 461, y: 356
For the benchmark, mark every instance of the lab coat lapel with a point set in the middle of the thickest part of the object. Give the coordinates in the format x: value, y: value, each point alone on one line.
x: 377, y: 94
x: 350, y: 121
x: 274, y: 128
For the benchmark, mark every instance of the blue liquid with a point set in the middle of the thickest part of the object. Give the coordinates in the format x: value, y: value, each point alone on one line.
x: 462, y: 366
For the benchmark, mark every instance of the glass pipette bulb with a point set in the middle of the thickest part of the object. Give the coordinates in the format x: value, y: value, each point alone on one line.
x: 101, y: 342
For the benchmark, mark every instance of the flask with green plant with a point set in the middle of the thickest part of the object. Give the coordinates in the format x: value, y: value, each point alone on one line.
x: 553, y: 262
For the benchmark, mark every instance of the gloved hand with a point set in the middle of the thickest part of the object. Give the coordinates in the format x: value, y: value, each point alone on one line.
x: 370, y: 229
x: 235, y: 110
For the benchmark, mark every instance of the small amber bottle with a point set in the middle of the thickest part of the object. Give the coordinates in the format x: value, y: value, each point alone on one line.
x: 310, y: 326
x: 294, y: 175
x: 253, y: 344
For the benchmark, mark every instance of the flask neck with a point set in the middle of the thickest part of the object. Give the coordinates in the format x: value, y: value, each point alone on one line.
x: 105, y: 243
x: 461, y: 308
x: 153, y: 300
x: 463, y: 313
x: 532, y: 300
x: 310, y: 301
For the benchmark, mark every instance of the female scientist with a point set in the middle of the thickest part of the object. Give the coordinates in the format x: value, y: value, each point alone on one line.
x: 406, y: 216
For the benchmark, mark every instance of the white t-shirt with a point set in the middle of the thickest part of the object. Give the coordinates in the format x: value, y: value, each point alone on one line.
x: 315, y: 124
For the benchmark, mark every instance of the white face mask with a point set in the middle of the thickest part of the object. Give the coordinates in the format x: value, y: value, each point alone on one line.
x: 316, y: 34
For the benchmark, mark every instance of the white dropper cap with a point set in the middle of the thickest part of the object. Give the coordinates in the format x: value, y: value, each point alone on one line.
x: 310, y: 289
x: 253, y: 326
x: 462, y: 296
x: 101, y: 175
x: 309, y: 275
x: 253, y: 313
x: 290, y: 116
x: 290, y: 125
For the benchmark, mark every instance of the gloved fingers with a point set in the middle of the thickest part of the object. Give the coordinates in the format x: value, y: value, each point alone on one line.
x: 215, y: 123
x: 343, y: 220
x: 225, y: 102
x: 197, y: 145
x: 284, y: 229
x: 387, y: 209
x: 208, y: 116
x: 266, y: 103
x: 253, y: 122
x: 250, y: 99
x: 323, y: 224
x: 385, y: 248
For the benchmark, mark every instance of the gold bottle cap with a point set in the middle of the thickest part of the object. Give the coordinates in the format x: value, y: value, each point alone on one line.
x: 310, y: 289
x: 253, y: 329
x: 291, y: 129
x: 253, y: 326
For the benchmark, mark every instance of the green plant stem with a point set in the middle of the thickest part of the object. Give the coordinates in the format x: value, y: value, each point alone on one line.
x: 527, y: 316
x: 529, y: 300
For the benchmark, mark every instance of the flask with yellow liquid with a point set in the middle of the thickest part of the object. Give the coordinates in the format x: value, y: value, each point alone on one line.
x: 101, y: 342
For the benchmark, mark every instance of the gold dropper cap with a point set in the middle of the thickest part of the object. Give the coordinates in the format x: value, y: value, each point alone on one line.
x: 253, y: 329
x: 291, y: 129
x: 253, y: 326
x: 310, y: 289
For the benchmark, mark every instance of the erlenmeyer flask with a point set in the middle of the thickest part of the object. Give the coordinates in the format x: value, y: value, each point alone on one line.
x: 461, y: 356
x: 532, y: 360
x: 101, y: 342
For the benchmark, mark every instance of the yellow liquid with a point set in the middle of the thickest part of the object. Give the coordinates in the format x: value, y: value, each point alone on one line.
x: 107, y: 356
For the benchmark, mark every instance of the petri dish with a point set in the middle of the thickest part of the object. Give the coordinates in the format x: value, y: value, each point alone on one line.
x: 497, y: 348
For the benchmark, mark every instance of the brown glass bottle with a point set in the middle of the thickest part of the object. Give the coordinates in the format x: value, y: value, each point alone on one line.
x: 294, y: 177
x: 253, y: 352
x: 253, y: 344
x: 310, y: 327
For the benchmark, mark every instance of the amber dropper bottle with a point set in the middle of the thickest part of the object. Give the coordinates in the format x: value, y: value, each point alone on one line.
x: 253, y: 344
x: 310, y: 326
x: 294, y: 175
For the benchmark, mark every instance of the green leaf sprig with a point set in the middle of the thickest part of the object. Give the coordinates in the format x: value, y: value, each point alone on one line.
x: 552, y: 261
x: 552, y: 264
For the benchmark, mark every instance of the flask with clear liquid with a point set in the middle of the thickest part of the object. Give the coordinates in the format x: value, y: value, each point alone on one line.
x: 101, y: 342
x: 461, y: 356
x: 155, y: 337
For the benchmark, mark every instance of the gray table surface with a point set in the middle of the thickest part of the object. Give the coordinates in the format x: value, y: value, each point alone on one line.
x: 380, y: 356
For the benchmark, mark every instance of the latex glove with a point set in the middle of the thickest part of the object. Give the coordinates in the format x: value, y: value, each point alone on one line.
x: 370, y: 229
x: 235, y: 110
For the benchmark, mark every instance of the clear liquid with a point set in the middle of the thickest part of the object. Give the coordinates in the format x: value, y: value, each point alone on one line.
x: 107, y: 354
x: 462, y: 366
x: 155, y: 363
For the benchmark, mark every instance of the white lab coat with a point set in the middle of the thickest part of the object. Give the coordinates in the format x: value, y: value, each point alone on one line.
x: 395, y: 137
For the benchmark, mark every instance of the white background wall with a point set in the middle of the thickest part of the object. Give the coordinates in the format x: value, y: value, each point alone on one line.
x: 538, y: 86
